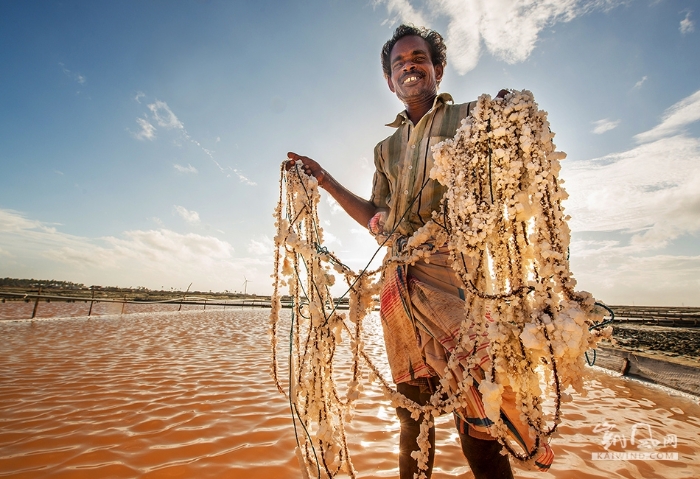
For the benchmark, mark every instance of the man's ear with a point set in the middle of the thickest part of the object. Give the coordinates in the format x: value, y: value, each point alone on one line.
x: 391, y: 84
x: 439, y: 70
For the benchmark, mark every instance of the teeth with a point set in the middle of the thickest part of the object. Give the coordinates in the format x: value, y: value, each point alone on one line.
x: 410, y: 79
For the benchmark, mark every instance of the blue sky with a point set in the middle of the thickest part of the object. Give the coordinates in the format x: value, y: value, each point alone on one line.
x: 140, y: 142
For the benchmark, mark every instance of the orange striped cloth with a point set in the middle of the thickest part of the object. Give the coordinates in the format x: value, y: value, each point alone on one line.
x: 422, y: 308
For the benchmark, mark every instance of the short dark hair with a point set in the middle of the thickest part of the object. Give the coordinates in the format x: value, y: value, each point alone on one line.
x: 438, y: 49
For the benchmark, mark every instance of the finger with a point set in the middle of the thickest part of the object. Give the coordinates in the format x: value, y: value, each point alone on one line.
x: 293, y: 157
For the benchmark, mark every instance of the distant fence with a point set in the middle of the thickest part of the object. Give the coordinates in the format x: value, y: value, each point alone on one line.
x: 179, y: 301
x: 659, y: 316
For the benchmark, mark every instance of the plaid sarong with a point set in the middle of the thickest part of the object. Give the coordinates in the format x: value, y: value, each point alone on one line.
x: 422, y: 308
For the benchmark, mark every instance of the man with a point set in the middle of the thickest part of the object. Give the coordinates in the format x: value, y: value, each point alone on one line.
x: 403, y: 199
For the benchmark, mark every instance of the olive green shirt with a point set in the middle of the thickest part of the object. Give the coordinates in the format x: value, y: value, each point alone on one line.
x: 403, y: 162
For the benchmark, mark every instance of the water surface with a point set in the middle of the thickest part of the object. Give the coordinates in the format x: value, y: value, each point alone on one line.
x: 188, y: 394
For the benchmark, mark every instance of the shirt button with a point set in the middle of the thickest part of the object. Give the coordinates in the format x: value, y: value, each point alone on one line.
x: 410, y: 167
x: 413, y: 147
x: 405, y: 192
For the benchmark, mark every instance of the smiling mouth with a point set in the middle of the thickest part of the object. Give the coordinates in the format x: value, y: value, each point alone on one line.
x: 411, y: 79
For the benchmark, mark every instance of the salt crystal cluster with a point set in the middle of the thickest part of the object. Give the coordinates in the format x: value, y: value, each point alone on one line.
x: 504, y: 214
x: 307, y: 270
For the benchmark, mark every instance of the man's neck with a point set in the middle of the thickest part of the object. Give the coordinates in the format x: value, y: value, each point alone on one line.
x: 417, y: 110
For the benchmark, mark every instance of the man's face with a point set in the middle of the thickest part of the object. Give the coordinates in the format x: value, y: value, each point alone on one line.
x: 413, y: 75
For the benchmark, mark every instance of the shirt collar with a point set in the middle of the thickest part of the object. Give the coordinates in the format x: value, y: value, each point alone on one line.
x: 402, y: 117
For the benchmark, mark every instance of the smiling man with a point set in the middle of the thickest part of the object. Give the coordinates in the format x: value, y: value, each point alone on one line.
x: 404, y: 199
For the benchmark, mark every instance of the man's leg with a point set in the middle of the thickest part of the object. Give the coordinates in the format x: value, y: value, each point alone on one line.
x: 484, y: 456
x: 410, y: 429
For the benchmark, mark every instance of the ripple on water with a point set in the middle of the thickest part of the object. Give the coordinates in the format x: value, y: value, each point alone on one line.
x: 167, y: 394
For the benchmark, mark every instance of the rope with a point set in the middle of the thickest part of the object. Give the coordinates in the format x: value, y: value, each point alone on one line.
x: 447, y: 399
x: 292, y: 406
x: 324, y: 250
x: 598, y: 326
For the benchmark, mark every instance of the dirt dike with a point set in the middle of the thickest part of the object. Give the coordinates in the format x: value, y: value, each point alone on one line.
x: 669, y: 356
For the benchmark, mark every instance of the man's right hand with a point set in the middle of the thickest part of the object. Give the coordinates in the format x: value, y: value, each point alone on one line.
x: 311, y: 167
x: 358, y: 208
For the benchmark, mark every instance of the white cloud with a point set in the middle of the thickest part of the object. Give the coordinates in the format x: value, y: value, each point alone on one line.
x: 616, y: 276
x: 636, y: 205
x: 334, y: 205
x: 601, y: 126
x: 139, y: 95
x: 164, y: 116
x: 187, y: 215
x: 674, y: 119
x: 74, y: 75
x: 241, y: 177
x: 329, y: 239
x: 185, y: 169
x: 687, y: 25
x: 652, y: 191
x: 152, y: 258
x: 403, y: 10
x: 509, y: 29
x: 147, y: 132
x: 640, y: 82
x: 164, y: 245
x: 366, y: 164
x: 265, y: 246
x: 13, y: 221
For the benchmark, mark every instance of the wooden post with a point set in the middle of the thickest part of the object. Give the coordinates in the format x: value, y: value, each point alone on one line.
x: 36, y: 303
x: 205, y: 304
x: 123, y: 305
x: 183, y: 297
x: 92, y: 301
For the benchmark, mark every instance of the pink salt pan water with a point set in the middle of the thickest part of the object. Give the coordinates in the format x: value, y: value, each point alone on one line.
x: 188, y: 394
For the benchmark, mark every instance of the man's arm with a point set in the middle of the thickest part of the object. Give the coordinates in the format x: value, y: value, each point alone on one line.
x: 359, y: 209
